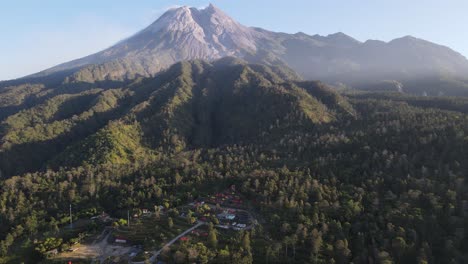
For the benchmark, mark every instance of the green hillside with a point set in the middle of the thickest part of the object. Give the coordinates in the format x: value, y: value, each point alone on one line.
x: 192, y: 104
x: 331, y: 177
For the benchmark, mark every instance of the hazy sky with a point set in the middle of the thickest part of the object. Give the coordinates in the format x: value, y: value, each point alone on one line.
x: 40, y: 34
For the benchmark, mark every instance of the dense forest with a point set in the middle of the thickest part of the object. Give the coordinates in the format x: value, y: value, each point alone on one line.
x: 332, y: 177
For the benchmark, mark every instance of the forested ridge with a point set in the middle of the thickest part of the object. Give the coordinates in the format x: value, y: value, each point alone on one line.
x: 332, y: 177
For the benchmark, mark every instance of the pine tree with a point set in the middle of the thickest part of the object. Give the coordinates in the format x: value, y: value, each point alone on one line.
x: 246, y: 242
x: 170, y: 222
x: 212, y: 237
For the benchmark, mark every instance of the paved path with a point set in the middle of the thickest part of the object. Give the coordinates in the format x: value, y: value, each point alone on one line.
x: 101, y: 244
x: 168, y: 244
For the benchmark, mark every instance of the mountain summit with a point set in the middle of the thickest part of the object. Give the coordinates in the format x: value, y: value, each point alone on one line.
x: 180, y: 34
x: 187, y: 33
x: 208, y: 29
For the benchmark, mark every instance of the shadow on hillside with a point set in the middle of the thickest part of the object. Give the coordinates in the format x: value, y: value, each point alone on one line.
x: 52, y: 91
x: 30, y: 157
x: 74, y: 106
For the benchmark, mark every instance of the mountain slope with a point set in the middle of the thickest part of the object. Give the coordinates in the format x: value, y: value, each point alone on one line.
x: 198, y: 104
x: 191, y: 104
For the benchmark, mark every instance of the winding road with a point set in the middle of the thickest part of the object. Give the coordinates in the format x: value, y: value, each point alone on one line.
x: 156, y: 253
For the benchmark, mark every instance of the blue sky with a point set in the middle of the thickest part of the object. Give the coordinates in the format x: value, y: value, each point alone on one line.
x: 40, y: 34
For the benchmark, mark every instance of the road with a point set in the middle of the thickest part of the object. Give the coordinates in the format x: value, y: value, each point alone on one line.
x: 168, y: 244
x: 102, y: 244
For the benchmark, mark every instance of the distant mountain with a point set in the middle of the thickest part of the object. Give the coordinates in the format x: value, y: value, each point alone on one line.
x: 188, y: 33
x: 180, y: 34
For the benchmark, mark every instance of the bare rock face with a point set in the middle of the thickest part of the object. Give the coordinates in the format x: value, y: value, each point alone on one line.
x: 180, y: 34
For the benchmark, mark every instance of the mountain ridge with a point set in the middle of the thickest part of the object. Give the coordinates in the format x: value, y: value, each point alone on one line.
x: 187, y: 33
x: 191, y: 104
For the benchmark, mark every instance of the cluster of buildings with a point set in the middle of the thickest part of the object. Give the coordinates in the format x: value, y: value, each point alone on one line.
x: 226, y: 208
x: 228, y: 198
x: 234, y: 219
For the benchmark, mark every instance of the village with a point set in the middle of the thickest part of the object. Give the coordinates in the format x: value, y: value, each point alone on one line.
x: 142, y: 237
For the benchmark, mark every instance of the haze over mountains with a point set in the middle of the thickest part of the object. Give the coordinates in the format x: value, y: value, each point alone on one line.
x: 188, y: 33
